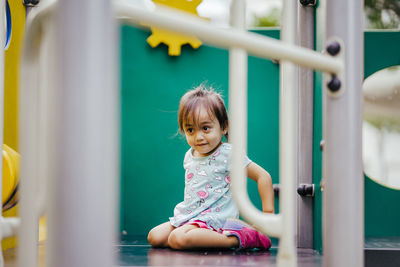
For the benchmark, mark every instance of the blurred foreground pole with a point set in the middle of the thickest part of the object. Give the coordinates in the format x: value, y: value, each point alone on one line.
x: 343, y: 196
x: 82, y: 214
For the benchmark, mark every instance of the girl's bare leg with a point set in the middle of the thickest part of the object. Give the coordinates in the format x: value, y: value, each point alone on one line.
x: 158, y: 236
x: 191, y: 237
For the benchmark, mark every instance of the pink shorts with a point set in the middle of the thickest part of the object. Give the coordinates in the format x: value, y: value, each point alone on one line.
x: 201, y: 224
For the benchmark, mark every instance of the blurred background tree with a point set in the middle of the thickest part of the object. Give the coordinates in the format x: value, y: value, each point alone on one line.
x: 382, y: 14
x: 271, y: 19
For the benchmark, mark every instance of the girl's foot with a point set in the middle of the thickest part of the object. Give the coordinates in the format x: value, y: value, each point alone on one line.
x: 249, y: 237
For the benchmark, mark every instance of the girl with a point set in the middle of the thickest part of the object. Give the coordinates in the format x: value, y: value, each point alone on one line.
x: 200, y: 221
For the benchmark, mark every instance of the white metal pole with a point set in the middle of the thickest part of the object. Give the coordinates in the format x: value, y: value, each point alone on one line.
x: 47, y: 74
x: 28, y: 137
x: 50, y: 154
x: 31, y: 203
x: 85, y: 221
x: 238, y: 109
x: 28, y: 106
x: 343, y: 202
x: 269, y: 224
x: 287, y: 144
x: 34, y: 137
x: 305, y: 27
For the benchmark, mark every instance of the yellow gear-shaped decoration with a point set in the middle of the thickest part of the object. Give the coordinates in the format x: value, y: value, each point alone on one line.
x: 173, y: 40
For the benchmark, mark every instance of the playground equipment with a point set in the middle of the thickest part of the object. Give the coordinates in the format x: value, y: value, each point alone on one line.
x: 90, y: 103
x: 335, y: 92
x: 80, y: 158
x: 94, y: 159
x: 172, y: 39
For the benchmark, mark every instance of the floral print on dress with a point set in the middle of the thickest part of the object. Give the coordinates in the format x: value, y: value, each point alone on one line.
x: 207, y: 195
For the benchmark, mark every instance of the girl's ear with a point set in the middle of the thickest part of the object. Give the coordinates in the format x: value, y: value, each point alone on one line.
x: 225, y: 130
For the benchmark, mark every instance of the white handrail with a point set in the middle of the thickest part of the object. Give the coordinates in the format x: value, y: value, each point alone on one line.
x: 281, y: 225
x: 287, y: 141
x: 29, y: 135
x: 38, y: 34
x: 255, y: 44
x: 267, y: 223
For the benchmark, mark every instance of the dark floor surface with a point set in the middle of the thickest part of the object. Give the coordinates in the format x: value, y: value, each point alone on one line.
x: 383, y: 251
x: 139, y: 253
x: 135, y: 251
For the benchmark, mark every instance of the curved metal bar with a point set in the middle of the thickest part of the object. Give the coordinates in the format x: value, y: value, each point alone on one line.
x: 267, y: 223
x: 29, y: 134
x: 287, y: 141
x: 255, y: 44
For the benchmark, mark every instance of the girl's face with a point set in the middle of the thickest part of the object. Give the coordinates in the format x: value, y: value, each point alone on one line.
x: 205, y: 136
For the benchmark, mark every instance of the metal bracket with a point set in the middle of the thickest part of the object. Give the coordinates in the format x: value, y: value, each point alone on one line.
x: 276, y: 189
x: 308, y: 2
x: 322, y: 145
x: 306, y: 190
x: 335, y: 84
x: 31, y: 3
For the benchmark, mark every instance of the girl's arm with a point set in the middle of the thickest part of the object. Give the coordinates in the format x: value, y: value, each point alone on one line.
x: 264, y: 182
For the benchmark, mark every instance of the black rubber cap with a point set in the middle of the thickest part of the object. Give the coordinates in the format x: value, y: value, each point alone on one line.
x: 308, y: 2
x: 333, y: 49
x: 334, y: 84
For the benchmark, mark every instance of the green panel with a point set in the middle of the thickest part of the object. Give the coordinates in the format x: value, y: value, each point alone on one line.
x: 381, y: 203
x: 317, y: 135
x: 317, y: 162
x: 263, y: 117
x: 381, y: 50
x: 152, y: 152
x: 381, y: 210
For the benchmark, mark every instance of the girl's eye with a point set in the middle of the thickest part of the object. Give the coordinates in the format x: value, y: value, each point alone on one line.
x: 206, y: 128
x: 189, y: 130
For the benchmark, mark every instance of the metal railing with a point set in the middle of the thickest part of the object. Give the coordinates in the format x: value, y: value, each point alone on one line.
x: 240, y: 43
x: 32, y: 134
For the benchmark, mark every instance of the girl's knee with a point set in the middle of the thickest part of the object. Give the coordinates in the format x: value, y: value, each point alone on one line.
x: 179, y: 240
x: 151, y: 237
x: 155, y: 239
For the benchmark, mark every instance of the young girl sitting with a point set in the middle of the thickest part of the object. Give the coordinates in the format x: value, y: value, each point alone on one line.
x: 200, y: 221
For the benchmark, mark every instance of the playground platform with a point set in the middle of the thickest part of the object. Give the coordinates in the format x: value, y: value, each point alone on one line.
x: 135, y: 251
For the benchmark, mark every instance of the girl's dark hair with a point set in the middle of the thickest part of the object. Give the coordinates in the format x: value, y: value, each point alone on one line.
x: 204, y: 97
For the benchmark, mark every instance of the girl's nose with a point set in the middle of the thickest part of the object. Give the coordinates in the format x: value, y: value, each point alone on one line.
x: 199, y: 135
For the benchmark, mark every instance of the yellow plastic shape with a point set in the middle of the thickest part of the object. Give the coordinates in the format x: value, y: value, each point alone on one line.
x: 11, y: 84
x: 11, y: 72
x: 11, y: 161
x: 10, y: 181
x: 173, y: 40
x: 10, y: 172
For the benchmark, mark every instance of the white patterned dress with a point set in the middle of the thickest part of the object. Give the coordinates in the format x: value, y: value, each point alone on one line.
x: 207, y: 195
